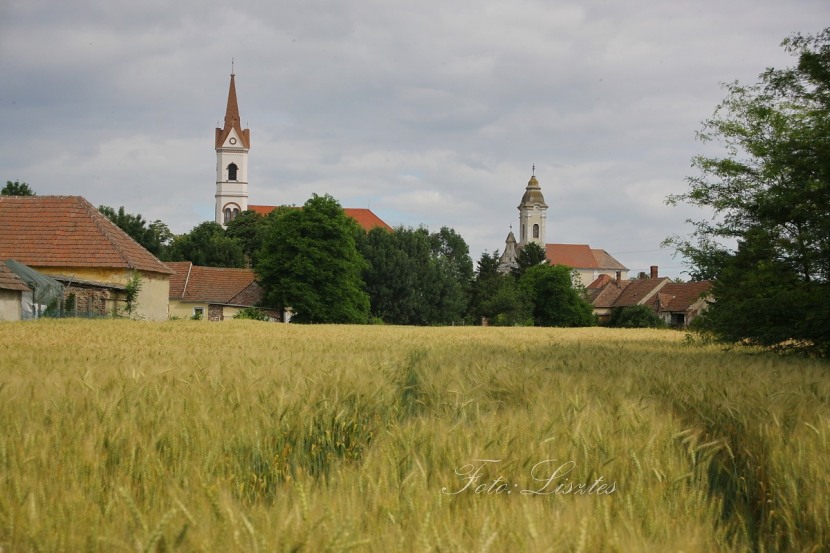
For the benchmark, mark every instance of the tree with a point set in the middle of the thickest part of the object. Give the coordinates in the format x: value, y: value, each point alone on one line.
x: 635, y: 316
x: 309, y: 262
x: 414, y: 277
x: 206, y: 245
x: 16, y: 188
x: 531, y: 255
x: 245, y: 228
x: 770, y: 195
x: 555, y: 299
x: 152, y: 237
x: 497, y: 297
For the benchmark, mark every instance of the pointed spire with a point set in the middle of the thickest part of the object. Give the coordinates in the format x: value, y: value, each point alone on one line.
x: 232, y: 118
x: 232, y: 112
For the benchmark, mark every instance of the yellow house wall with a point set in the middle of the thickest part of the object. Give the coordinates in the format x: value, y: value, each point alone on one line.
x: 152, y: 299
x: 184, y: 309
x: 9, y: 305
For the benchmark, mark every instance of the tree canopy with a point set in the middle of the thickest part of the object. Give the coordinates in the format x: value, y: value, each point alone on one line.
x: 206, y: 245
x: 770, y: 194
x: 16, y: 188
x: 309, y: 262
x: 414, y: 277
x: 153, y: 237
x: 556, y: 301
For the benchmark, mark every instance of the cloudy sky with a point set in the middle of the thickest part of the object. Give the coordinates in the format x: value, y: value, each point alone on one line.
x: 428, y: 112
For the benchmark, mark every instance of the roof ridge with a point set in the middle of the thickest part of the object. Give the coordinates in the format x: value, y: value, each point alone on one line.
x: 97, y: 217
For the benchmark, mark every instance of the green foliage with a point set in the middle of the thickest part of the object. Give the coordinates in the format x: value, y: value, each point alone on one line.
x: 252, y: 313
x: 309, y: 262
x: 245, y: 228
x: 635, y: 316
x: 16, y: 188
x: 131, y: 292
x: 555, y: 299
x: 153, y: 237
x: 206, y: 245
x: 417, y: 278
x: 770, y: 194
x: 497, y: 297
x: 531, y: 255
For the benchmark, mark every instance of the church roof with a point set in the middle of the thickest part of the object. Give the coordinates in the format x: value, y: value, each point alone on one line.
x: 67, y: 231
x: 214, y: 284
x: 232, y: 120
x: 582, y: 256
x: 366, y: 218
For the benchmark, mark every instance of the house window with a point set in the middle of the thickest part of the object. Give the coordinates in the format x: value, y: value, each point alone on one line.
x: 198, y: 313
x: 535, y: 231
x: 524, y: 234
x: 232, y: 169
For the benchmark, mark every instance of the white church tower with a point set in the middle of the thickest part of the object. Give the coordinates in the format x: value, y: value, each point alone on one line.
x: 532, y: 214
x: 232, y: 145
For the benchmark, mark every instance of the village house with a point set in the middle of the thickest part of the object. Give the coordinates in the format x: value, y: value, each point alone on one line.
x: 677, y: 303
x: 67, y: 238
x: 12, y: 290
x: 212, y: 293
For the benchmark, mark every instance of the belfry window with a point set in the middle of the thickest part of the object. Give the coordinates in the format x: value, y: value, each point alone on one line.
x: 232, y: 168
x: 535, y: 231
x: 230, y: 214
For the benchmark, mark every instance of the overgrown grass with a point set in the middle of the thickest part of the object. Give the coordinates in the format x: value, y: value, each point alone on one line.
x: 244, y: 436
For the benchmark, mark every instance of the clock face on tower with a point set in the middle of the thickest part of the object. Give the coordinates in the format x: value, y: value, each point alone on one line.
x: 232, y: 140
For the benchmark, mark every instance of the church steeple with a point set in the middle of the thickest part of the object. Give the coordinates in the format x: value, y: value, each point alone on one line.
x: 232, y: 144
x: 532, y: 213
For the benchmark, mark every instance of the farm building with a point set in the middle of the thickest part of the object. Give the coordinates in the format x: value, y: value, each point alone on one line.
x: 67, y: 238
x: 211, y: 293
x: 677, y: 303
x: 12, y: 291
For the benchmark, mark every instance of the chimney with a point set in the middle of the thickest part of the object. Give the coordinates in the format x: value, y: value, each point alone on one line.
x: 653, y: 271
x: 619, y: 277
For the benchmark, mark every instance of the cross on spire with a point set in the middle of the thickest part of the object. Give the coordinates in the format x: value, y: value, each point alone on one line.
x: 533, y: 174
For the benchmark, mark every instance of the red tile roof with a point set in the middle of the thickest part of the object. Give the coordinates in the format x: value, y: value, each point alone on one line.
x: 639, y: 290
x: 581, y: 256
x: 679, y: 296
x: 67, y: 231
x: 364, y: 217
x: 10, y: 281
x: 214, y: 285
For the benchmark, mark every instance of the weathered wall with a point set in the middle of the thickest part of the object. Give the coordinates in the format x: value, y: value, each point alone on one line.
x: 9, y: 305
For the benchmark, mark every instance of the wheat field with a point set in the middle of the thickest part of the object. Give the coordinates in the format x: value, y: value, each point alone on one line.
x: 246, y: 436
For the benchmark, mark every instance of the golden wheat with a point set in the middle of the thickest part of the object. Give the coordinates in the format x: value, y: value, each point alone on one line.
x: 247, y: 436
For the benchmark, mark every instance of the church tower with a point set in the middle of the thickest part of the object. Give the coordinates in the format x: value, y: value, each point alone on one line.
x: 232, y: 145
x: 532, y: 214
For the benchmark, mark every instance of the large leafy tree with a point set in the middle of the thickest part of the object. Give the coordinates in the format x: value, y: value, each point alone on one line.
x: 154, y: 236
x: 16, y: 188
x: 246, y: 229
x: 417, y: 278
x: 208, y: 246
x: 496, y: 297
x: 309, y: 262
x: 769, y: 194
x: 556, y: 300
